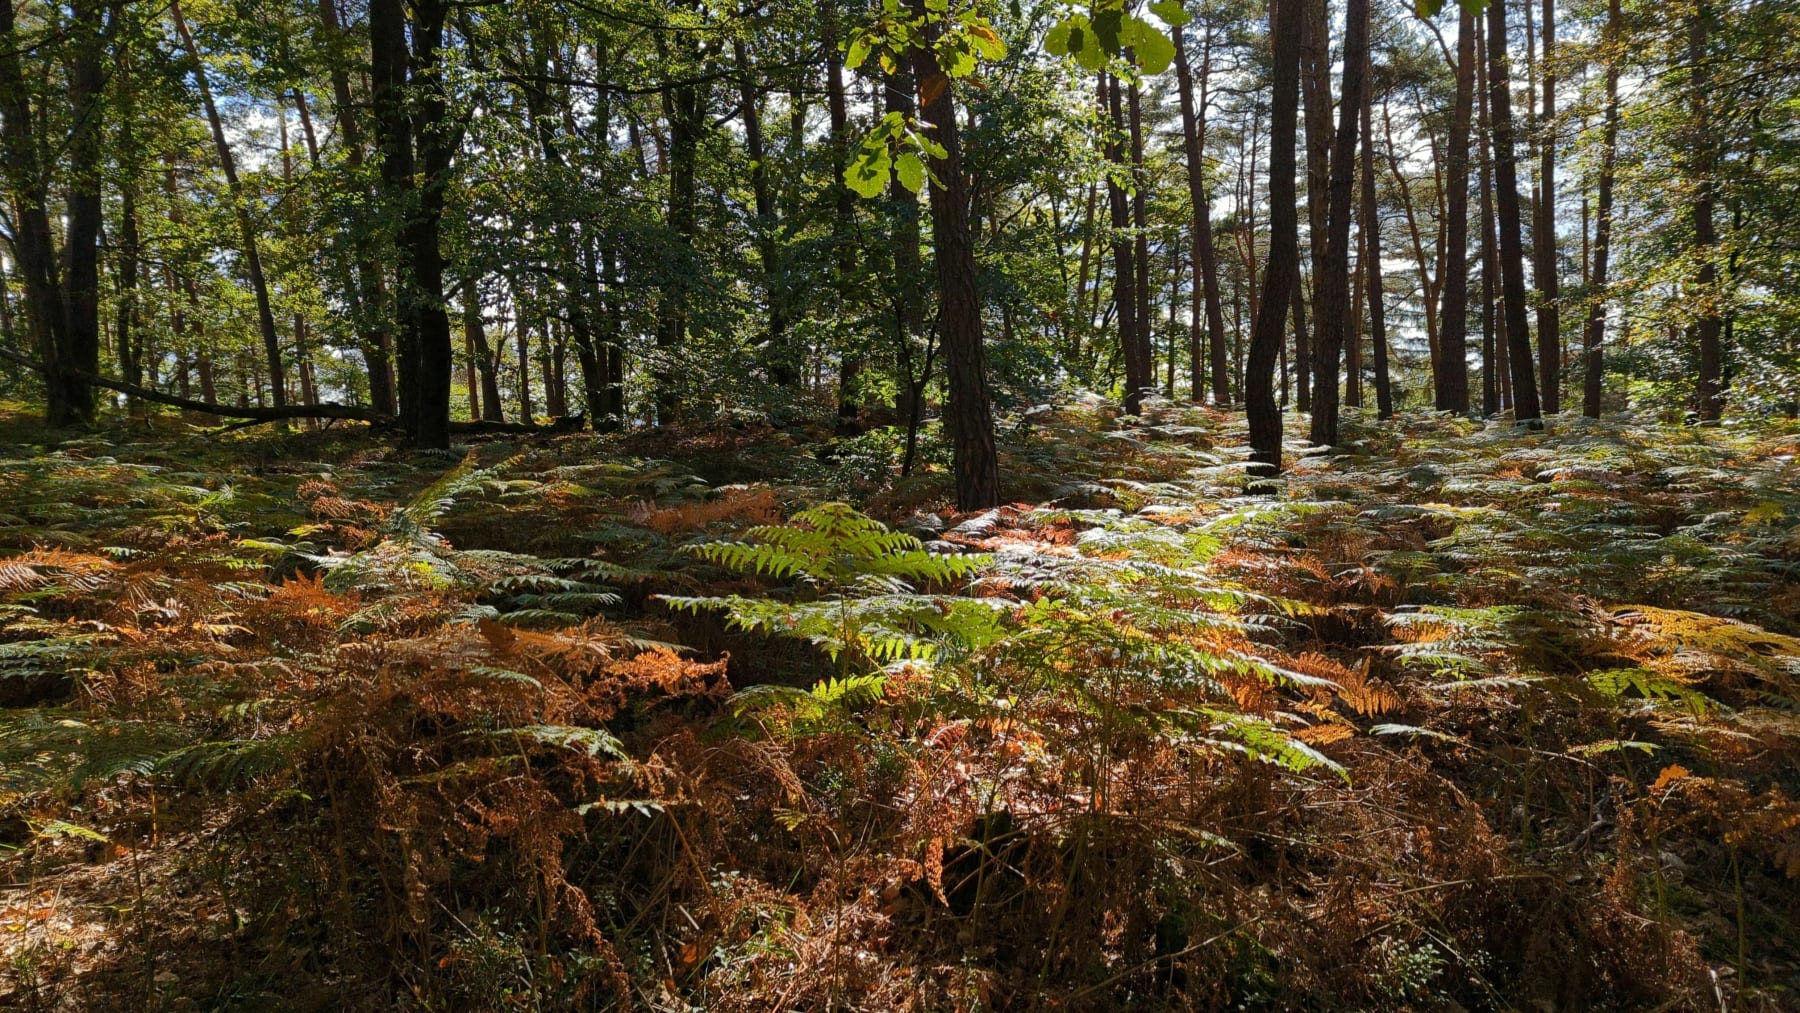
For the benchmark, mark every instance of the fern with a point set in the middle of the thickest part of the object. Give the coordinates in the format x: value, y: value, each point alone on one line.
x: 869, y: 612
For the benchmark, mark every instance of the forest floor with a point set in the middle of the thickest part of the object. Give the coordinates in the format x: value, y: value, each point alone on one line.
x: 1460, y: 717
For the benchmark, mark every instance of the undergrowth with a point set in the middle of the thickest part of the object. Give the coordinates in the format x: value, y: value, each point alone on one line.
x: 1459, y: 717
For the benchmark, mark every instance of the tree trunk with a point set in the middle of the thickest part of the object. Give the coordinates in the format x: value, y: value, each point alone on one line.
x: 1706, y: 288
x: 1594, y: 337
x: 969, y: 416
x: 1283, y: 272
x: 240, y: 205
x: 1207, y: 305
x: 417, y: 142
x: 1549, y: 314
x: 1140, y: 224
x: 61, y: 301
x: 522, y: 334
x: 475, y: 332
x: 1125, y: 301
x: 1371, y: 228
x: 1451, y: 378
x: 1333, y: 319
x: 368, y: 296
x: 843, y: 223
x: 1506, y: 191
x: 1315, y: 82
x: 126, y: 275
x: 779, y: 358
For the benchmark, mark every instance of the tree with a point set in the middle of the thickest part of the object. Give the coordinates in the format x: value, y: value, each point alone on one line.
x: 61, y: 301
x: 1549, y: 313
x: 1207, y: 305
x: 1333, y: 319
x: 1594, y: 334
x: 1711, y: 392
x: 1371, y: 262
x: 969, y: 415
x: 1283, y: 272
x: 240, y: 202
x: 1506, y: 198
x: 416, y: 140
x: 1451, y: 376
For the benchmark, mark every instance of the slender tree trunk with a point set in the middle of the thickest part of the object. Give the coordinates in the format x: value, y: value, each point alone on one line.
x: 1315, y: 83
x: 1333, y: 321
x: 126, y: 273
x: 908, y: 291
x: 1549, y: 313
x: 1353, y: 328
x: 1125, y: 274
x: 240, y: 202
x: 1594, y: 337
x: 522, y: 336
x: 1526, y: 407
x: 1087, y: 258
x: 969, y: 415
x: 1283, y: 273
x: 685, y: 107
x: 1302, y: 351
x: 369, y: 311
x: 1206, y: 267
x: 475, y: 334
x: 1495, y: 392
x: 844, y: 219
x: 1706, y: 288
x: 417, y: 143
x: 61, y: 301
x: 778, y: 357
x: 1140, y: 224
x: 1452, y: 373
x: 1371, y: 227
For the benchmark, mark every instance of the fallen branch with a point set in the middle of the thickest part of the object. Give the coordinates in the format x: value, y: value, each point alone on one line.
x: 313, y: 411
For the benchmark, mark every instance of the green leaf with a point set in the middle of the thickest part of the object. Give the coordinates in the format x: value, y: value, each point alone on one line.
x: 1107, y: 28
x: 868, y: 175
x: 911, y: 171
x: 987, y: 42
x: 1152, y: 49
x: 859, y: 51
x: 1171, y: 12
x: 1430, y: 8
x: 956, y: 57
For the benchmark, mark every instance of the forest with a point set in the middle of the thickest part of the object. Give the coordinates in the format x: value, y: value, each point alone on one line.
x: 899, y: 505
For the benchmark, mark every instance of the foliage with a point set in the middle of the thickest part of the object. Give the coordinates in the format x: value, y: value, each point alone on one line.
x: 1452, y: 694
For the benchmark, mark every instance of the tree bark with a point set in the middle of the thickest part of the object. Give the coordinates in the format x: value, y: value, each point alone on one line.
x: 240, y: 206
x: 780, y: 360
x: 1371, y: 228
x: 1451, y: 379
x: 369, y: 312
x: 417, y: 142
x: 843, y: 223
x: 475, y: 331
x: 1708, y: 323
x: 1333, y: 319
x: 1125, y: 274
x: 1594, y: 336
x: 1315, y: 83
x: 1526, y: 407
x: 1140, y: 224
x: 61, y: 301
x: 1207, y: 324
x: 1283, y: 271
x: 1549, y: 313
x: 684, y: 105
x: 969, y: 415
